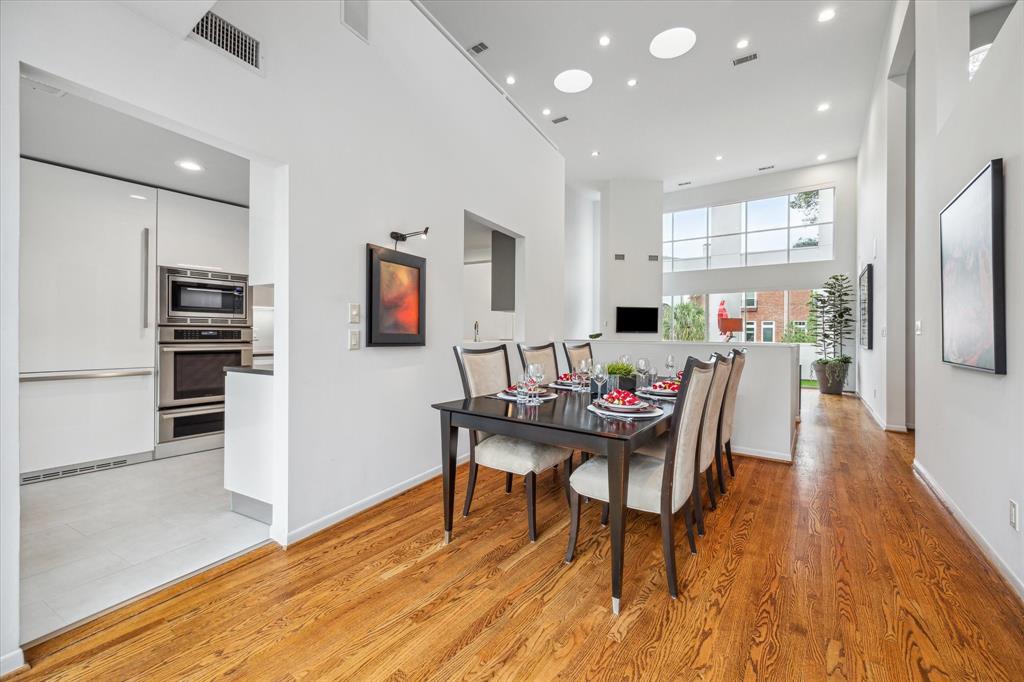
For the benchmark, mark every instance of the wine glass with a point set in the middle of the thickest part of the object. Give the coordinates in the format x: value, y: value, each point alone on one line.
x: 584, y: 374
x: 670, y: 365
x: 600, y: 377
x: 624, y: 358
x: 536, y: 376
x: 522, y: 388
x: 643, y: 367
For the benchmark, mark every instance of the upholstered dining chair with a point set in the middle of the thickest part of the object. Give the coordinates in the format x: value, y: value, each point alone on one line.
x: 484, y: 371
x: 657, y: 485
x: 577, y: 353
x: 739, y: 359
x: 544, y: 356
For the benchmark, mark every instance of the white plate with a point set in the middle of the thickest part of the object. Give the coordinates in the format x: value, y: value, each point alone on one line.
x: 662, y: 392
x: 512, y: 398
x: 604, y: 405
x: 655, y: 412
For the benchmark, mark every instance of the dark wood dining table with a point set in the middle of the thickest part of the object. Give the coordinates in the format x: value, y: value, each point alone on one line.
x: 566, y: 422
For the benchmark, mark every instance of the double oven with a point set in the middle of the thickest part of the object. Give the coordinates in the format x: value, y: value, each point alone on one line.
x: 205, y: 326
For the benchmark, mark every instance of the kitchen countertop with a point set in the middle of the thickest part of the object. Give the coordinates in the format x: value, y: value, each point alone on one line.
x: 258, y: 369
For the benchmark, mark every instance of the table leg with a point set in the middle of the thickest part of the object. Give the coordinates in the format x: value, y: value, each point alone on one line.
x: 618, y: 482
x: 449, y: 452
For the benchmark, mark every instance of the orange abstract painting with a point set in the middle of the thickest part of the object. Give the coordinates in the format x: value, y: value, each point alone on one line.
x: 399, y: 299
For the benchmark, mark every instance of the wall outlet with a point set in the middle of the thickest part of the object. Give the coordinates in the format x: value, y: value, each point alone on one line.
x: 1014, y: 516
x: 353, y: 339
x: 917, y: 327
x: 353, y: 313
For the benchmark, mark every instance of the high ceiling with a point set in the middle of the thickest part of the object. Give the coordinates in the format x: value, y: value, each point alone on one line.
x: 683, y: 112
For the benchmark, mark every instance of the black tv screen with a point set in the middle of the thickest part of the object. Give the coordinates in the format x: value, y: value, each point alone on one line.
x: 636, y: 320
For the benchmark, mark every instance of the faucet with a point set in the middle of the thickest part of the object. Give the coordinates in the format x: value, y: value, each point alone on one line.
x: 476, y: 331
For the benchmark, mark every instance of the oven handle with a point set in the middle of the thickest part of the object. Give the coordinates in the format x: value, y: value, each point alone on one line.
x: 181, y: 348
x: 191, y: 413
x: 222, y: 290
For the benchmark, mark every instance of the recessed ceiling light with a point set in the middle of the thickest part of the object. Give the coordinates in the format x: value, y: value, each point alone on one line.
x: 822, y: 157
x: 510, y: 79
x: 189, y: 165
x: 675, y: 42
x: 604, y: 41
x: 545, y: 111
x: 827, y: 15
x: 742, y: 44
x: 718, y: 158
x: 137, y: 196
x: 573, y: 80
x: 595, y: 153
x: 631, y: 82
x: 824, y: 106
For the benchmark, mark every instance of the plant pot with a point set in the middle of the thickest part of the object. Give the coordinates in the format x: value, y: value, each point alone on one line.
x: 832, y: 385
x: 625, y: 383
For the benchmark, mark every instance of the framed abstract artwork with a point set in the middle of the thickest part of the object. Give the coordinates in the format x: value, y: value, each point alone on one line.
x: 866, y: 307
x: 972, y: 274
x: 396, y: 285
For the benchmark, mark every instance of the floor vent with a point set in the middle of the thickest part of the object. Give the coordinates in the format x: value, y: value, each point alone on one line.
x: 743, y: 60
x: 355, y: 14
x: 478, y: 48
x: 560, y: 119
x: 229, y: 38
x: 84, y: 468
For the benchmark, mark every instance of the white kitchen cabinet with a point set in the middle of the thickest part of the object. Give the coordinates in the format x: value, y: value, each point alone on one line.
x: 66, y: 421
x: 200, y: 233
x: 88, y: 271
x: 249, y: 435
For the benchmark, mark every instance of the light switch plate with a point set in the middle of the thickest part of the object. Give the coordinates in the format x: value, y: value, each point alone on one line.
x: 353, y: 339
x: 917, y: 327
x: 353, y: 313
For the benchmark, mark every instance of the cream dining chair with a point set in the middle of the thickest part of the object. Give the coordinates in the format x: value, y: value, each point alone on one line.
x: 575, y: 354
x: 739, y: 360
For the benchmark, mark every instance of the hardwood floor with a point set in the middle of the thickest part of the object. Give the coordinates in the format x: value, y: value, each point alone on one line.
x: 842, y: 565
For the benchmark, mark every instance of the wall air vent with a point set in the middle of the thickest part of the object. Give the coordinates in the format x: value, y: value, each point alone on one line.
x: 560, y: 119
x: 620, y: 256
x: 355, y: 14
x: 652, y: 258
x: 229, y: 39
x: 743, y: 60
x: 478, y: 48
x: 764, y: 168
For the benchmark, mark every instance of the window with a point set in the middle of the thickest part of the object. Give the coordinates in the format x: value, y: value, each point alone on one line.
x: 791, y: 228
x: 750, y: 335
x: 801, y: 325
x: 750, y: 300
x: 768, y: 331
x: 683, y: 318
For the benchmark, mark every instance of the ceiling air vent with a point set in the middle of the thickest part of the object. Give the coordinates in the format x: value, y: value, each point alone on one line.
x: 743, y: 60
x: 230, y: 39
x: 764, y: 168
x: 478, y: 48
x: 560, y: 119
x: 684, y: 184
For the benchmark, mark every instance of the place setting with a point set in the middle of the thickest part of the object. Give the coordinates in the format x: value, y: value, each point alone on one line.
x: 623, y: 405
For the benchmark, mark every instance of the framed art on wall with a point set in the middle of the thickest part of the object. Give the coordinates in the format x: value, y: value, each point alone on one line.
x: 972, y: 274
x: 866, y: 307
x: 396, y: 285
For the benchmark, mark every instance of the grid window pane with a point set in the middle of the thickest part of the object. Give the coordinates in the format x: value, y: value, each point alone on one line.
x: 766, y: 214
x: 726, y: 219
x: 810, y: 243
x: 766, y: 248
x: 666, y: 257
x: 690, y: 254
x: 725, y: 317
x: 666, y: 227
x: 726, y: 252
x: 690, y: 224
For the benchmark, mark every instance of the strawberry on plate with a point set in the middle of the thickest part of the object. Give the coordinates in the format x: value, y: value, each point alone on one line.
x: 667, y: 385
x: 565, y: 377
x: 621, y: 397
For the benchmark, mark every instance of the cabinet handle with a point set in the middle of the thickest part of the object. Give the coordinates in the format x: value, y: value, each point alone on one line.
x: 145, y: 278
x: 191, y: 413
x: 96, y: 374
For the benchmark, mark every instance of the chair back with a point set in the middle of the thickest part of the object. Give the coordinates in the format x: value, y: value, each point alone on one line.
x: 545, y: 356
x: 577, y: 353
x: 739, y: 359
x: 484, y: 371
x: 685, y: 433
x: 709, y: 428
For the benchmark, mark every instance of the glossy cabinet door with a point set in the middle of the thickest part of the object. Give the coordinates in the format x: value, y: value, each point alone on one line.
x: 88, y: 271
x: 202, y: 234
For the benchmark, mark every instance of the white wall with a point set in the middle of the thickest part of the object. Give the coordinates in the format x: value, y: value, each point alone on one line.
x: 630, y: 224
x: 476, y: 305
x: 881, y: 237
x: 580, y: 244
x: 968, y: 424
x: 352, y: 122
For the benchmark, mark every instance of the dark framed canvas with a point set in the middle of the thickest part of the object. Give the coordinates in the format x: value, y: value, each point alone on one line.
x: 972, y: 274
x: 866, y: 306
x: 396, y: 298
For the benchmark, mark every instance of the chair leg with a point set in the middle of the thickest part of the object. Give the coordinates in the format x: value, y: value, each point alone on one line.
x: 711, y: 488
x: 728, y: 456
x: 470, y: 488
x: 508, y: 483
x: 668, y: 547
x: 531, y: 504
x: 698, y: 506
x: 584, y: 457
x: 689, y: 527
x: 718, y: 466
x: 568, y: 473
x: 574, y: 524
x: 554, y: 474
x: 604, y: 513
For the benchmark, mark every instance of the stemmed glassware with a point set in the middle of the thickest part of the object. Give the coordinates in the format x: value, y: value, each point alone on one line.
x: 536, y: 376
x: 522, y: 389
x: 583, y: 372
x: 600, y: 377
x: 643, y: 368
x: 670, y: 365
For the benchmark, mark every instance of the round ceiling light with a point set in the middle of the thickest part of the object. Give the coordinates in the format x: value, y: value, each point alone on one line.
x: 827, y: 15
x: 742, y: 44
x: 824, y: 106
x: 595, y: 153
x: 718, y: 158
x: 631, y: 82
x: 545, y: 111
x: 189, y: 165
x: 675, y: 42
x: 604, y: 41
x: 573, y: 81
x: 822, y: 157
x: 510, y: 79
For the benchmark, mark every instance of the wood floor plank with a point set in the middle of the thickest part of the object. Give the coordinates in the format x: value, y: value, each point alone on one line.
x: 841, y: 566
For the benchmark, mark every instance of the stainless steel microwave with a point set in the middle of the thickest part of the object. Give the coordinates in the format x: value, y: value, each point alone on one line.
x: 204, y: 297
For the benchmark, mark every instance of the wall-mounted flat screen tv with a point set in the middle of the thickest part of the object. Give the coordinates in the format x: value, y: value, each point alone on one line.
x: 636, y: 320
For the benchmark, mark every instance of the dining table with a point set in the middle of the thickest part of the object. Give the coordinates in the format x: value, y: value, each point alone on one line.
x: 566, y: 422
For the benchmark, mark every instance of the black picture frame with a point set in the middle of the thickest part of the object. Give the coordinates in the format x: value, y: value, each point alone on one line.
x: 380, y: 325
x: 963, y: 301
x: 866, y: 307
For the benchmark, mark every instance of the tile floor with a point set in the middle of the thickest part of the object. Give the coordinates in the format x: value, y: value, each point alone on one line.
x: 90, y: 542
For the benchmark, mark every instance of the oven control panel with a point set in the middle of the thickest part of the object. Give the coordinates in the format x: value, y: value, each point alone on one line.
x: 205, y: 334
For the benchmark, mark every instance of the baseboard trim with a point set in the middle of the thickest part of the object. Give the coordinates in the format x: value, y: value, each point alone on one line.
x: 1015, y: 582
x: 762, y: 454
x: 334, y: 517
x: 896, y: 428
x: 12, y: 662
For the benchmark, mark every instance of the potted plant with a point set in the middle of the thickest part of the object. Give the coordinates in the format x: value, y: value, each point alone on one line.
x: 833, y: 322
x: 620, y: 375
